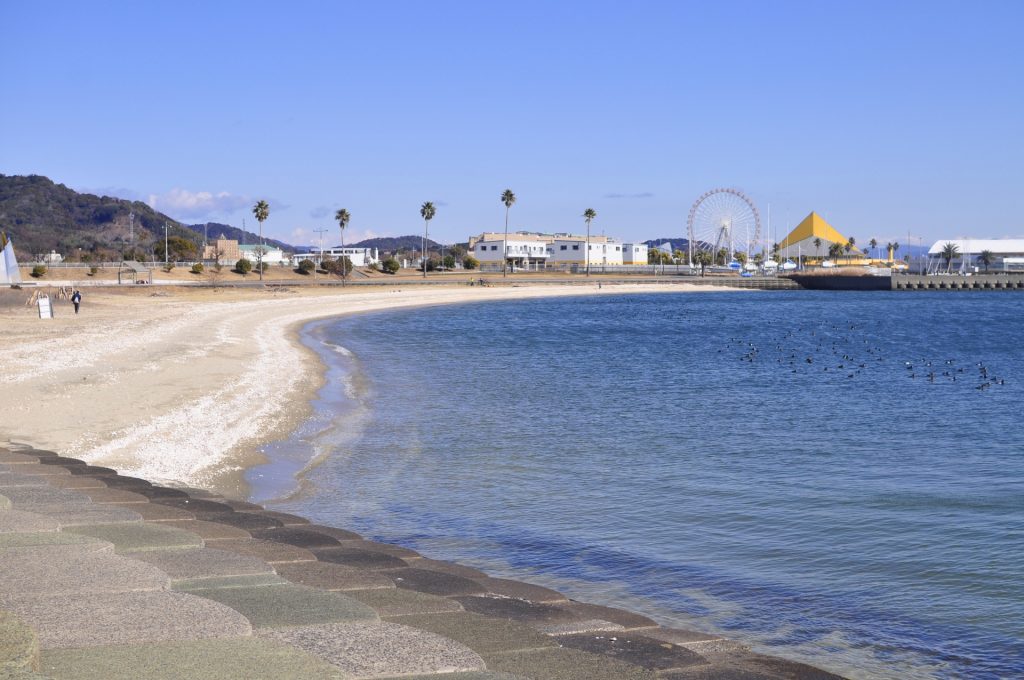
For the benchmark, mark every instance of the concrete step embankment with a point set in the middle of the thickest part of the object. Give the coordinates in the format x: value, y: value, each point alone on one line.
x: 107, y: 576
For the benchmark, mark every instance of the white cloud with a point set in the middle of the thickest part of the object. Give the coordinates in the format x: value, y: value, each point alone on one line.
x: 196, y: 204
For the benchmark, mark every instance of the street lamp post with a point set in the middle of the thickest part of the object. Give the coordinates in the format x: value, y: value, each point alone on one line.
x: 321, y: 232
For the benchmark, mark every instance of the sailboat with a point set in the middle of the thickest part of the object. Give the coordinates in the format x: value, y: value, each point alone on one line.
x: 9, y: 272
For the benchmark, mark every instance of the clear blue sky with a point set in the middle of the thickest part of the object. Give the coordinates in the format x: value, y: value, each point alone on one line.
x: 885, y: 117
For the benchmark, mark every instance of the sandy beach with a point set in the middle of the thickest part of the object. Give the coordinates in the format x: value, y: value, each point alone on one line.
x: 183, y: 385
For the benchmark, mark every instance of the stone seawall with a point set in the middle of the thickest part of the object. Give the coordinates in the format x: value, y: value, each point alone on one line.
x: 976, y: 282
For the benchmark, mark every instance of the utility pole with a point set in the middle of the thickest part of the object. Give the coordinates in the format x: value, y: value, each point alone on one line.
x: 321, y: 232
x: 166, y: 253
x: 131, y: 230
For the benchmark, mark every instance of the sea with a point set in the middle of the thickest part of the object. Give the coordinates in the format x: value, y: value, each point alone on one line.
x: 831, y: 477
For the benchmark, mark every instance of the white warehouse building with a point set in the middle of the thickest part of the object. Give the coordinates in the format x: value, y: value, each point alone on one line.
x: 1007, y: 254
x: 359, y: 257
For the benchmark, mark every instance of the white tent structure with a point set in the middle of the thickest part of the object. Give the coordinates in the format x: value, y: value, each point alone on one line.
x: 9, y: 273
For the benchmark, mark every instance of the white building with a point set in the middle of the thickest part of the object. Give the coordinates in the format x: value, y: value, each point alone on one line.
x: 359, y: 257
x: 523, y: 250
x: 570, y: 250
x: 271, y: 255
x: 635, y: 253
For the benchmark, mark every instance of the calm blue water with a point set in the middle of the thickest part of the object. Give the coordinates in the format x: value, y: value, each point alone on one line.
x: 798, y: 470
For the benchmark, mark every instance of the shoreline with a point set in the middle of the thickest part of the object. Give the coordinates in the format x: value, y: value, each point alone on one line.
x: 187, y: 385
x: 226, y: 476
x: 147, y: 576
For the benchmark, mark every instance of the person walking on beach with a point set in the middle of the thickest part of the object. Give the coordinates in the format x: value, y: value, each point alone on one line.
x: 76, y: 299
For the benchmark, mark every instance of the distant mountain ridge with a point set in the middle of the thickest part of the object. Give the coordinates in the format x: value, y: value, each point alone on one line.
x: 393, y: 244
x: 41, y: 215
x: 214, y: 230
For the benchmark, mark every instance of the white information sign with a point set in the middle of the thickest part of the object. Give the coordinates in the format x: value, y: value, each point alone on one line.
x: 45, y: 310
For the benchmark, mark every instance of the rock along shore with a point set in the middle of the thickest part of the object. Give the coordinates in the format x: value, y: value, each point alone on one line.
x: 109, y: 576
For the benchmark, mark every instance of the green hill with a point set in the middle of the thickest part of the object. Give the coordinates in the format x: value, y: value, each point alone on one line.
x: 41, y: 215
x: 393, y: 244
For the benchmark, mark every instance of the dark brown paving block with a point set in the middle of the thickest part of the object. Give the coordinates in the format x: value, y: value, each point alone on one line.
x: 565, y: 664
x: 640, y: 651
x: 435, y: 582
x: 61, y: 460
x: 679, y: 636
x: 627, y: 620
x: 153, y: 492
x: 482, y: 634
x: 152, y: 512
x: 285, y: 518
x: 242, y: 506
x: 517, y: 610
x: 243, y: 520
x: 120, y: 496
x: 328, y: 576
x: 397, y: 602
x: 199, y: 507
x: 91, y: 470
x: 297, y: 536
x: 520, y: 590
x: 39, y: 453
x: 208, y: 531
x: 76, y: 482
x: 363, y: 559
x: 268, y: 551
x: 739, y: 666
x: 334, y: 532
x: 123, y: 482
x: 193, y: 492
x: 386, y: 548
x: 448, y: 568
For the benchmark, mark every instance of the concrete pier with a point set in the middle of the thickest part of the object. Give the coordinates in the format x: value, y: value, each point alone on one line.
x: 1000, y: 281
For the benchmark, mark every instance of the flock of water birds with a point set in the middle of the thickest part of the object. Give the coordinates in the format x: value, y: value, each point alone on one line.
x: 846, y: 350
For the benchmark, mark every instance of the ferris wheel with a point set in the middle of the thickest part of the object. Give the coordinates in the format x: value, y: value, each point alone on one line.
x: 723, y: 219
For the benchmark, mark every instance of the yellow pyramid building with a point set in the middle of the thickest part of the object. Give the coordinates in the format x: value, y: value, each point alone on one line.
x: 800, y: 241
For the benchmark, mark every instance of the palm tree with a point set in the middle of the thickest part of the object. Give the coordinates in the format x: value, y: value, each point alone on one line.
x: 342, y: 217
x: 835, y: 250
x: 508, y: 198
x: 427, y: 212
x: 850, y: 242
x: 873, y: 243
x: 589, y: 214
x: 261, y: 211
x: 817, y: 247
x: 895, y: 247
x: 703, y: 258
x: 986, y: 257
x: 949, y: 252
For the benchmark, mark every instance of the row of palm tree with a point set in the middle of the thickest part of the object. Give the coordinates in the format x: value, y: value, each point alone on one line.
x: 950, y: 251
x: 835, y: 250
x: 427, y: 211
